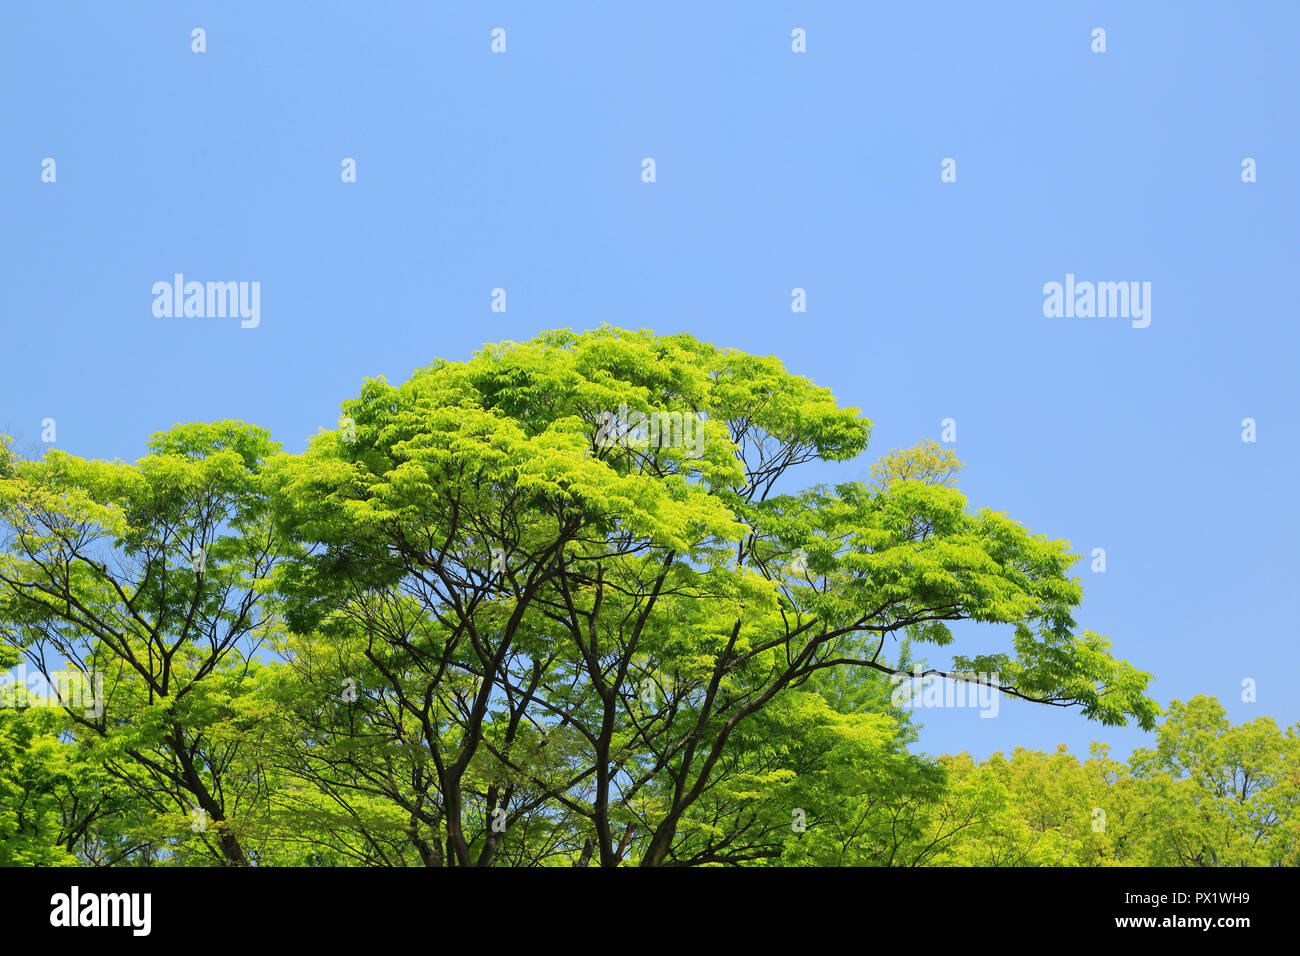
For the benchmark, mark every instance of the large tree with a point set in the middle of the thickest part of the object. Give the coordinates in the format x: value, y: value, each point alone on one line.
x: 584, y: 624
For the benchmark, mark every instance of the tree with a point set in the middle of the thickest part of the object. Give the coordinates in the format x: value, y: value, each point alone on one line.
x: 583, y: 613
x: 1209, y: 794
x: 149, y: 578
x: 1218, y: 795
x: 563, y: 604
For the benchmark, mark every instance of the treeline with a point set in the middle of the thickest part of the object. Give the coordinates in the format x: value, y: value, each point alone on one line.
x: 1208, y: 794
x: 485, y: 622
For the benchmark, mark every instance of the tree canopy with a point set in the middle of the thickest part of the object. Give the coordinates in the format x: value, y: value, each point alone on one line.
x: 564, y: 603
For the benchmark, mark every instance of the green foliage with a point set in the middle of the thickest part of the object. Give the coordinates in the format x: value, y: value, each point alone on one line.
x: 488, y: 621
x: 149, y: 579
x: 1209, y: 795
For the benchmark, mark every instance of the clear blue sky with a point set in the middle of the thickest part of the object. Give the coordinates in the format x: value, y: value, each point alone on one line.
x: 775, y: 170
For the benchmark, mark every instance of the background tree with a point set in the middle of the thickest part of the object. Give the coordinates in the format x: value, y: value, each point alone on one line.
x: 1218, y: 795
x: 1209, y: 794
x: 149, y: 578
